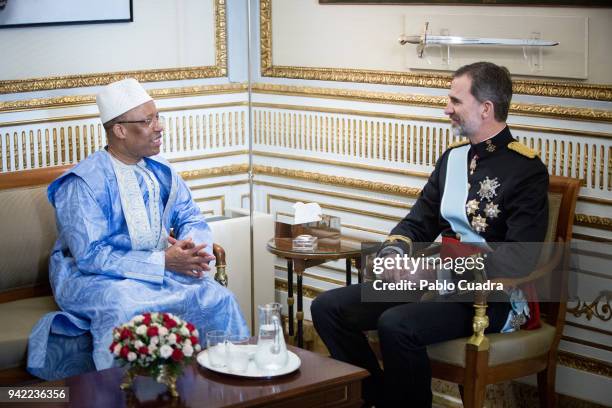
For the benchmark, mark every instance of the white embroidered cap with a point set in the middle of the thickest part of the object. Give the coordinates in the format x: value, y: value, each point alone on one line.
x: 119, y: 97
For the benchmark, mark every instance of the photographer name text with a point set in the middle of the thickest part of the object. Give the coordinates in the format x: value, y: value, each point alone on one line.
x: 424, y: 284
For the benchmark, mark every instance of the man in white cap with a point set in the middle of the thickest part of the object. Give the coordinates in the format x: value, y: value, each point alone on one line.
x: 114, y: 258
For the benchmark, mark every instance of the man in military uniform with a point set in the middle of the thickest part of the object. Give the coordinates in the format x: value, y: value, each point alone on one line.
x: 488, y: 188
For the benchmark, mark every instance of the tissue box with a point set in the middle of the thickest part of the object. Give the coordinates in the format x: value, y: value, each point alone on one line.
x: 327, y: 230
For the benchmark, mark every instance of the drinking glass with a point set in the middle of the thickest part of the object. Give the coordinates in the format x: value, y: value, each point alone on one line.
x: 215, y: 344
x: 237, y: 352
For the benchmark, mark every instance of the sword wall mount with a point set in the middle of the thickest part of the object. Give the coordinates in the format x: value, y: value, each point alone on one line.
x: 532, y: 47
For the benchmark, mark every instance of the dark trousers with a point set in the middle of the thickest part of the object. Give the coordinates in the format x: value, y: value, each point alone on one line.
x: 404, y: 330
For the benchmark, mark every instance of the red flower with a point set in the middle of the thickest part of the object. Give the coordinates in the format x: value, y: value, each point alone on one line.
x: 177, y: 355
x: 152, y: 331
x: 178, y: 338
x: 190, y: 326
x: 147, y: 319
x: 170, y: 323
x: 194, y: 340
x: 143, y: 350
x: 112, y: 346
x: 124, y: 351
x: 125, y: 334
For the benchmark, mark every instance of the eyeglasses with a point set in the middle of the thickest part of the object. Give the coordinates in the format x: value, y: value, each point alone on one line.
x: 150, y: 122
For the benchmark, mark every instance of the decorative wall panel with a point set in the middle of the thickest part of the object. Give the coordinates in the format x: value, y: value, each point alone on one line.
x: 405, y: 141
x: 67, y: 140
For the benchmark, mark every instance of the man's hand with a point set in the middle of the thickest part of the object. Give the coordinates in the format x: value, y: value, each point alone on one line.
x: 187, y: 258
x: 410, y: 269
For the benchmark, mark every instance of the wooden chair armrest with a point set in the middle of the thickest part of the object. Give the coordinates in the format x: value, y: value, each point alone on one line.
x: 537, y: 273
x: 220, y: 275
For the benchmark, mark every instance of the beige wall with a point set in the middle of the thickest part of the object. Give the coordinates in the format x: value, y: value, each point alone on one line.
x: 308, y: 34
x: 164, y: 34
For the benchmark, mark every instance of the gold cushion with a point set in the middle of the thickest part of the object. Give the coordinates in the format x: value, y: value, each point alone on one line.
x: 28, y: 234
x: 20, y: 316
x: 503, y: 347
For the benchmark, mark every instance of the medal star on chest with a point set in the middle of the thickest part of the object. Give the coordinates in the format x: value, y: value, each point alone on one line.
x: 488, y: 188
x: 472, y: 206
x: 491, y: 210
x: 479, y: 223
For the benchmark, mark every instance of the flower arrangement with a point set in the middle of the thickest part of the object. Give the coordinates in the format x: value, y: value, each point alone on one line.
x: 157, y: 344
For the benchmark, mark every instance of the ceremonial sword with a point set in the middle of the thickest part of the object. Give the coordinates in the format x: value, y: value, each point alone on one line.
x: 424, y: 40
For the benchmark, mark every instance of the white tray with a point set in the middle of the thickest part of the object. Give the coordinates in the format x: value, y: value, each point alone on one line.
x: 293, y: 363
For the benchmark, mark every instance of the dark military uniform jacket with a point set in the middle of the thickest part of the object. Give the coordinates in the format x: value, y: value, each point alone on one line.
x: 507, y: 202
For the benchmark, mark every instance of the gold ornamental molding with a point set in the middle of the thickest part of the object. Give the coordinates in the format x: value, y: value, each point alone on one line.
x: 149, y: 75
x: 583, y: 363
x: 338, y: 181
x: 597, y: 308
x: 600, y: 92
x: 215, y: 172
x: 429, y: 101
x: 79, y: 100
x: 308, y: 291
x: 340, y: 163
x: 593, y: 221
x: 394, y: 204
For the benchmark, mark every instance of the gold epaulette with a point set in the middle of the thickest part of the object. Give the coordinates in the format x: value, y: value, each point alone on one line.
x: 522, y: 149
x: 458, y: 143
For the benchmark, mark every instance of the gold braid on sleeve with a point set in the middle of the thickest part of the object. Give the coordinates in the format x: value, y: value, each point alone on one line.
x: 406, y: 240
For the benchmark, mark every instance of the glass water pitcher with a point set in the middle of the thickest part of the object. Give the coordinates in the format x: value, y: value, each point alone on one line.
x: 271, y: 353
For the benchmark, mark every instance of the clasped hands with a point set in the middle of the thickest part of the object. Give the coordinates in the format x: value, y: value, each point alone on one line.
x: 187, y: 258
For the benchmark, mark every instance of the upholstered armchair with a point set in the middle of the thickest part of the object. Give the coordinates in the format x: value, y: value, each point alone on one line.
x: 28, y: 234
x: 479, y: 360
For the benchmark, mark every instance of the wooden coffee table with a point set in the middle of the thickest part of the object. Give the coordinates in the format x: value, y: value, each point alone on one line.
x: 320, y: 381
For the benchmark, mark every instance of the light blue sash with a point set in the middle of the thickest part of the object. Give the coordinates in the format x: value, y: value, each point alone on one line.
x: 455, y: 197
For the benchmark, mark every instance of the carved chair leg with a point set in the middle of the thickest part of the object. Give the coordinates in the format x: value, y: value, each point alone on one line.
x: 474, y: 387
x: 546, y: 387
x: 474, y: 394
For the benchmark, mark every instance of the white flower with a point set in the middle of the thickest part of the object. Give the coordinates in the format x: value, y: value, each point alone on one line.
x: 137, y: 319
x: 172, y: 338
x: 165, y: 351
x: 154, y: 340
x: 117, y: 349
x: 184, y: 331
x: 197, y: 347
x: 131, y: 356
x: 195, y: 333
x: 187, y: 341
x: 141, y: 330
x: 187, y: 350
x: 163, y: 331
x: 152, y: 349
x: 138, y: 344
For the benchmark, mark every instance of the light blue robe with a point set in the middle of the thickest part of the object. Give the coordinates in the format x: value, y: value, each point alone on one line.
x: 100, y: 282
